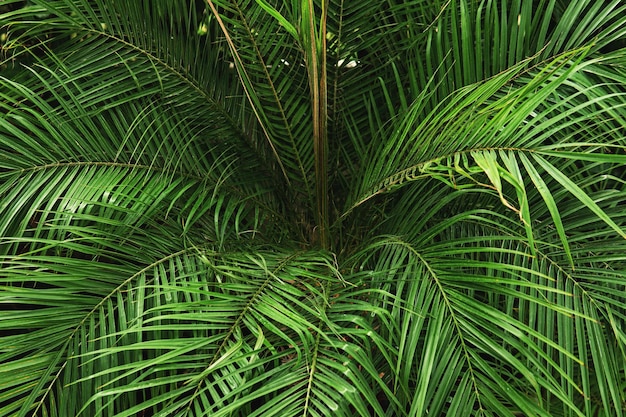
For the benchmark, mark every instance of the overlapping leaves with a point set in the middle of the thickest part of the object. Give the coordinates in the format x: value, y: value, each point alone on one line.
x: 158, y: 252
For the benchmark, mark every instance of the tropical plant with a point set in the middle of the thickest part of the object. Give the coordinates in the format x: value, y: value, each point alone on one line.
x: 312, y: 208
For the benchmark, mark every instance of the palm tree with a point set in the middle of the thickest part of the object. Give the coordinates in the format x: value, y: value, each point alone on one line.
x: 312, y: 208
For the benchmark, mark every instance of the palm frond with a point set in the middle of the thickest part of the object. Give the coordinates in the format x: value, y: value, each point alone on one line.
x: 168, y: 171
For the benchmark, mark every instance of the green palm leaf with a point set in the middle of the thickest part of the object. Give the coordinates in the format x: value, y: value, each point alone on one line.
x: 274, y: 208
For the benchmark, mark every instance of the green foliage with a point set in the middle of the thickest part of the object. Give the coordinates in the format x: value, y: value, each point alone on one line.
x: 315, y: 208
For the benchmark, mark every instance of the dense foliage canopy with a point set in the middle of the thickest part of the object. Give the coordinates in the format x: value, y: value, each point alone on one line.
x: 312, y: 208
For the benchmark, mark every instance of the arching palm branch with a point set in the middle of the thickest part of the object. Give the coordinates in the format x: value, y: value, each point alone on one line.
x: 316, y: 208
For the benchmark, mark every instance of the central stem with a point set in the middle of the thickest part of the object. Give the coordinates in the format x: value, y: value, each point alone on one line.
x: 316, y: 54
